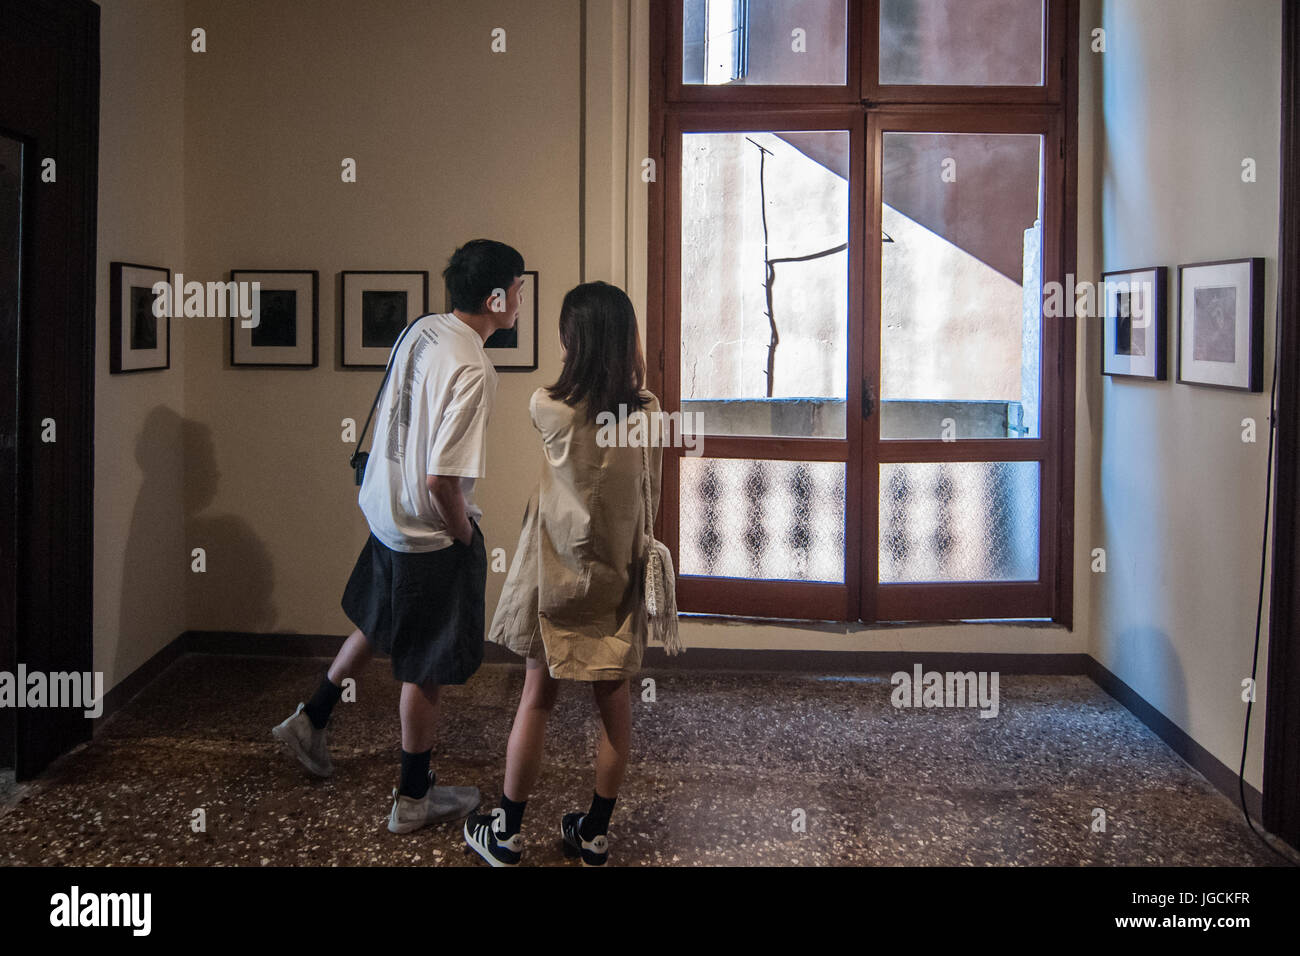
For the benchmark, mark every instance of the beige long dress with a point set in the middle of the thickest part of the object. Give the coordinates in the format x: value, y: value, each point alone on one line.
x: 574, y: 594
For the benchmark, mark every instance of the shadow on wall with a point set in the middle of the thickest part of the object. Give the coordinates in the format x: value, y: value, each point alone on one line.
x: 153, y: 576
x: 1151, y: 666
x: 234, y: 592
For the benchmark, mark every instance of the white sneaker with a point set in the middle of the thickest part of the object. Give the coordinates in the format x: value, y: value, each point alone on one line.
x: 439, y: 805
x: 301, y: 739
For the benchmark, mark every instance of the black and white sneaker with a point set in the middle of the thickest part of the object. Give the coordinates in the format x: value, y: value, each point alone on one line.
x: 593, y: 852
x: 483, y: 833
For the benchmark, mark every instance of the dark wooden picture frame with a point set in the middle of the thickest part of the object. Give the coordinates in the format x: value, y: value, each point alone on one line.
x: 1159, y: 324
x: 118, y: 351
x: 1255, y: 331
x: 351, y: 350
x: 516, y: 358
x: 238, y: 333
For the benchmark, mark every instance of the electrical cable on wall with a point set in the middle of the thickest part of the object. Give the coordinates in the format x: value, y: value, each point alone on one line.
x: 1263, y: 557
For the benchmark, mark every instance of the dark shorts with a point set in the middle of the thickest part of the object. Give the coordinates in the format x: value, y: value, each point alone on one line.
x: 424, y: 610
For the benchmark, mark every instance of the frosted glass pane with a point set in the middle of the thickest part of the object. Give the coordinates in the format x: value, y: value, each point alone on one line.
x: 771, y: 520
x: 959, y: 521
x: 961, y: 42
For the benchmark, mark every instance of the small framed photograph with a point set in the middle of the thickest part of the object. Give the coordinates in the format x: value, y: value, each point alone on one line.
x: 140, y: 337
x: 1134, y: 323
x: 377, y: 306
x: 516, y: 349
x: 283, y: 330
x: 1221, y: 324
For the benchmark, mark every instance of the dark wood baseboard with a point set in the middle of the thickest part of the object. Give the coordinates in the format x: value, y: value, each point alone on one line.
x: 1214, y: 770
x: 240, y: 644
x: 840, y: 662
x: 244, y: 644
x: 126, y: 689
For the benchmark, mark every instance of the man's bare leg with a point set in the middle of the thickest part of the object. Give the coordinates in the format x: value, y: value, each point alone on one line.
x: 303, y: 733
x: 351, y: 659
x: 418, y: 802
x: 418, y: 709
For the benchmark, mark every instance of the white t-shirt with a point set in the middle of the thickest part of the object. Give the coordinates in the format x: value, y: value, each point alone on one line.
x: 431, y: 420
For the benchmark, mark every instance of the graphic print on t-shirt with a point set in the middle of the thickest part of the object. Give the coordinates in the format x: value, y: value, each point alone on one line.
x: 400, y: 421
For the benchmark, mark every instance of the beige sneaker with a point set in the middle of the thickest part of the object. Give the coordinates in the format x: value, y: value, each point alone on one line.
x: 297, y: 735
x: 439, y: 805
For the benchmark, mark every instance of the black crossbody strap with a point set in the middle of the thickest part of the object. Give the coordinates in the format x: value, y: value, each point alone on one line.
x: 361, y: 440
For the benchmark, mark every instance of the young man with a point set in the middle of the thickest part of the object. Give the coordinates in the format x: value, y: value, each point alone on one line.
x: 417, y: 590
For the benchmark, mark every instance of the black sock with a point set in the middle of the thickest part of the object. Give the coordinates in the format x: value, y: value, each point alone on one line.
x: 415, y: 775
x: 596, y: 821
x: 322, y: 703
x: 514, y: 815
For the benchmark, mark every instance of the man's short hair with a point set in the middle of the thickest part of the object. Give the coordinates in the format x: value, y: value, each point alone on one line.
x: 477, y: 269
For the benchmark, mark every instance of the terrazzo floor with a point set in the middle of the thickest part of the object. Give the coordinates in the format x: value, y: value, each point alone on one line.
x: 726, y: 767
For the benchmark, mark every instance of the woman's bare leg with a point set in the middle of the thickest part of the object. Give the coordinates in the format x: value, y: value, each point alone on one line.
x: 614, y: 701
x: 528, y: 735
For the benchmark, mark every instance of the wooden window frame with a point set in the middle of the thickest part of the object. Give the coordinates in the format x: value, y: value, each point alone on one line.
x: 868, y: 111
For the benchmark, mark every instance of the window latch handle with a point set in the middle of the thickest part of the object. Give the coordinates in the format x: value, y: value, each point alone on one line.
x: 868, y: 400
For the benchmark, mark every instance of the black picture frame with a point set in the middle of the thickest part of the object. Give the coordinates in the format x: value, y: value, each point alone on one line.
x: 1112, y: 352
x: 521, y: 356
x: 353, y: 288
x: 1249, y: 274
x: 244, y: 348
x: 124, y: 358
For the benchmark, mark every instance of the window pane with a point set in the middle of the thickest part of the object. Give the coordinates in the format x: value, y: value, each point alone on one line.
x: 764, y: 42
x: 771, y: 520
x: 961, y: 42
x: 959, y: 521
x: 765, y: 214
x: 961, y: 285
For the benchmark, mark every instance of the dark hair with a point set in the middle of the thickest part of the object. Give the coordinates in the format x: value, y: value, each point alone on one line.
x: 603, y: 363
x: 477, y: 269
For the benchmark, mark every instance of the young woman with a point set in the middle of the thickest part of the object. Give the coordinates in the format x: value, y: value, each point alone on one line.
x: 573, y: 602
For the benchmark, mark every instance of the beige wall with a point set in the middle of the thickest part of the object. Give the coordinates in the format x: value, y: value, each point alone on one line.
x: 141, y: 563
x: 451, y: 142
x: 1190, y: 88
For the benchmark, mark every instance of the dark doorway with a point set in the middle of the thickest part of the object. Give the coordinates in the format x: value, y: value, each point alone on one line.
x: 1281, y: 791
x: 11, y: 231
x: 49, y: 133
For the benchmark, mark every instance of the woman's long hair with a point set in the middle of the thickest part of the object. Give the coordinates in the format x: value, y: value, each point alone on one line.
x: 603, y: 363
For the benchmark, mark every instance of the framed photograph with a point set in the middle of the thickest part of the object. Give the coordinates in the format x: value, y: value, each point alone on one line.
x: 140, y: 338
x: 1134, y: 322
x: 515, y: 350
x: 283, y: 332
x: 1221, y: 324
x: 377, y: 306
